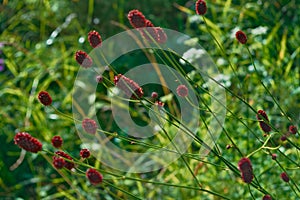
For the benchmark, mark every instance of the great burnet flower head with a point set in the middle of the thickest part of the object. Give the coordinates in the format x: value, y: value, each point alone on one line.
x: 284, y: 177
x: 68, y: 164
x: 58, y: 162
x: 94, y: 39
x: 89, y: 125
x: 246, y: 170
x: 57, y: 141
x: 45, y: 98
x: 99, y: 78
x: 85, y: 153
x: 262, y: 116
x: 182, y: 91
x: 154, y: 95
x: 94, y: 176
x: 267, y: 197
x: 83, y: 59
x: 136, y: 19
x: 27, y: 142
x: 241, y: 37
x: 161, y: 35
x: 292, y: 129
x: 201, y: 7
x: 128, y: 86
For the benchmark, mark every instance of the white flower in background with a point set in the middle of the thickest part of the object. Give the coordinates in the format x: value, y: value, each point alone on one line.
x: 192, y: 55
x: 259, y: 30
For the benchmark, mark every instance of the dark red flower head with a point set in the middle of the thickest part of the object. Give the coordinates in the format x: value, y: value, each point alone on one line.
x: 201, y: 7
x: 57, y: 141
x: 262, y: 116
x: 267, y: 197
x: 89, y: 125
x: 128, y: 86
x: 274, y: 156
x: 246, y: 170
x: 284, y: 177
x: 83, y: 59
x: 159, y: 104
x: 136, y: 19
x: 45, y: 98
x: 27, y: 142
x: 58, y: 162
x: 99, y: 78
x: 94, y: 176
x: 292, y: 129
x: 94, y: 39
x: 69, y: 165
x: 161, y: 35
x: 85, y: 153
x: 182, y: 91
x: 241, y: 37
x: 154, y: 95
x: 283, y: 138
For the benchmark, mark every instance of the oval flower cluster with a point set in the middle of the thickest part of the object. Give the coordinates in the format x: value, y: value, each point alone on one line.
x: 128, y: 86
x: 246, y: 170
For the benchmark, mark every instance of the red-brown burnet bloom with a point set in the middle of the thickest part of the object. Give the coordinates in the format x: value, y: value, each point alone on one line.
x: 45, y: 98
x: 99, y: 78
x: 263, y: 125
x: 94, y: 39
x: 58, y: 162
x: 89, y: 125
x: 159, y: 104
x: 182, y: 91
x: 83, y: 59
x: 128, y: 86
x: 246, y: 170
x: 154, y: 95
x: 292, y: 129
x: 150, y: 34
x: 85, y: 153
x: 274, y: 156
x: 136, y: 19
x: 267, y: 197
x: 201, y: 7
x: 283, y: 138
x: 94, y: 176
x: 241, y: 37
x: 161, y: 35
x: 57, y: 141
x: 284, y: 177
x: 68, y: 164
x: 27, y: 142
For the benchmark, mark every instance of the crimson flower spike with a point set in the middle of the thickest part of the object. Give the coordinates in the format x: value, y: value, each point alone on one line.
x: 241, y: 37
x: 246, y: 170
x: 94, y: 39
x: 94, y: 176
x: 263, y: 125
x: 137, y: 19
x: 83, y: 59
x: 128, y: 86
x: 201, y: 7
x: 27, y: 142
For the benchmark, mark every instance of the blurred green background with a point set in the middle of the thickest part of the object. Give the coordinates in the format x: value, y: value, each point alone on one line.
x: 38, y: 39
